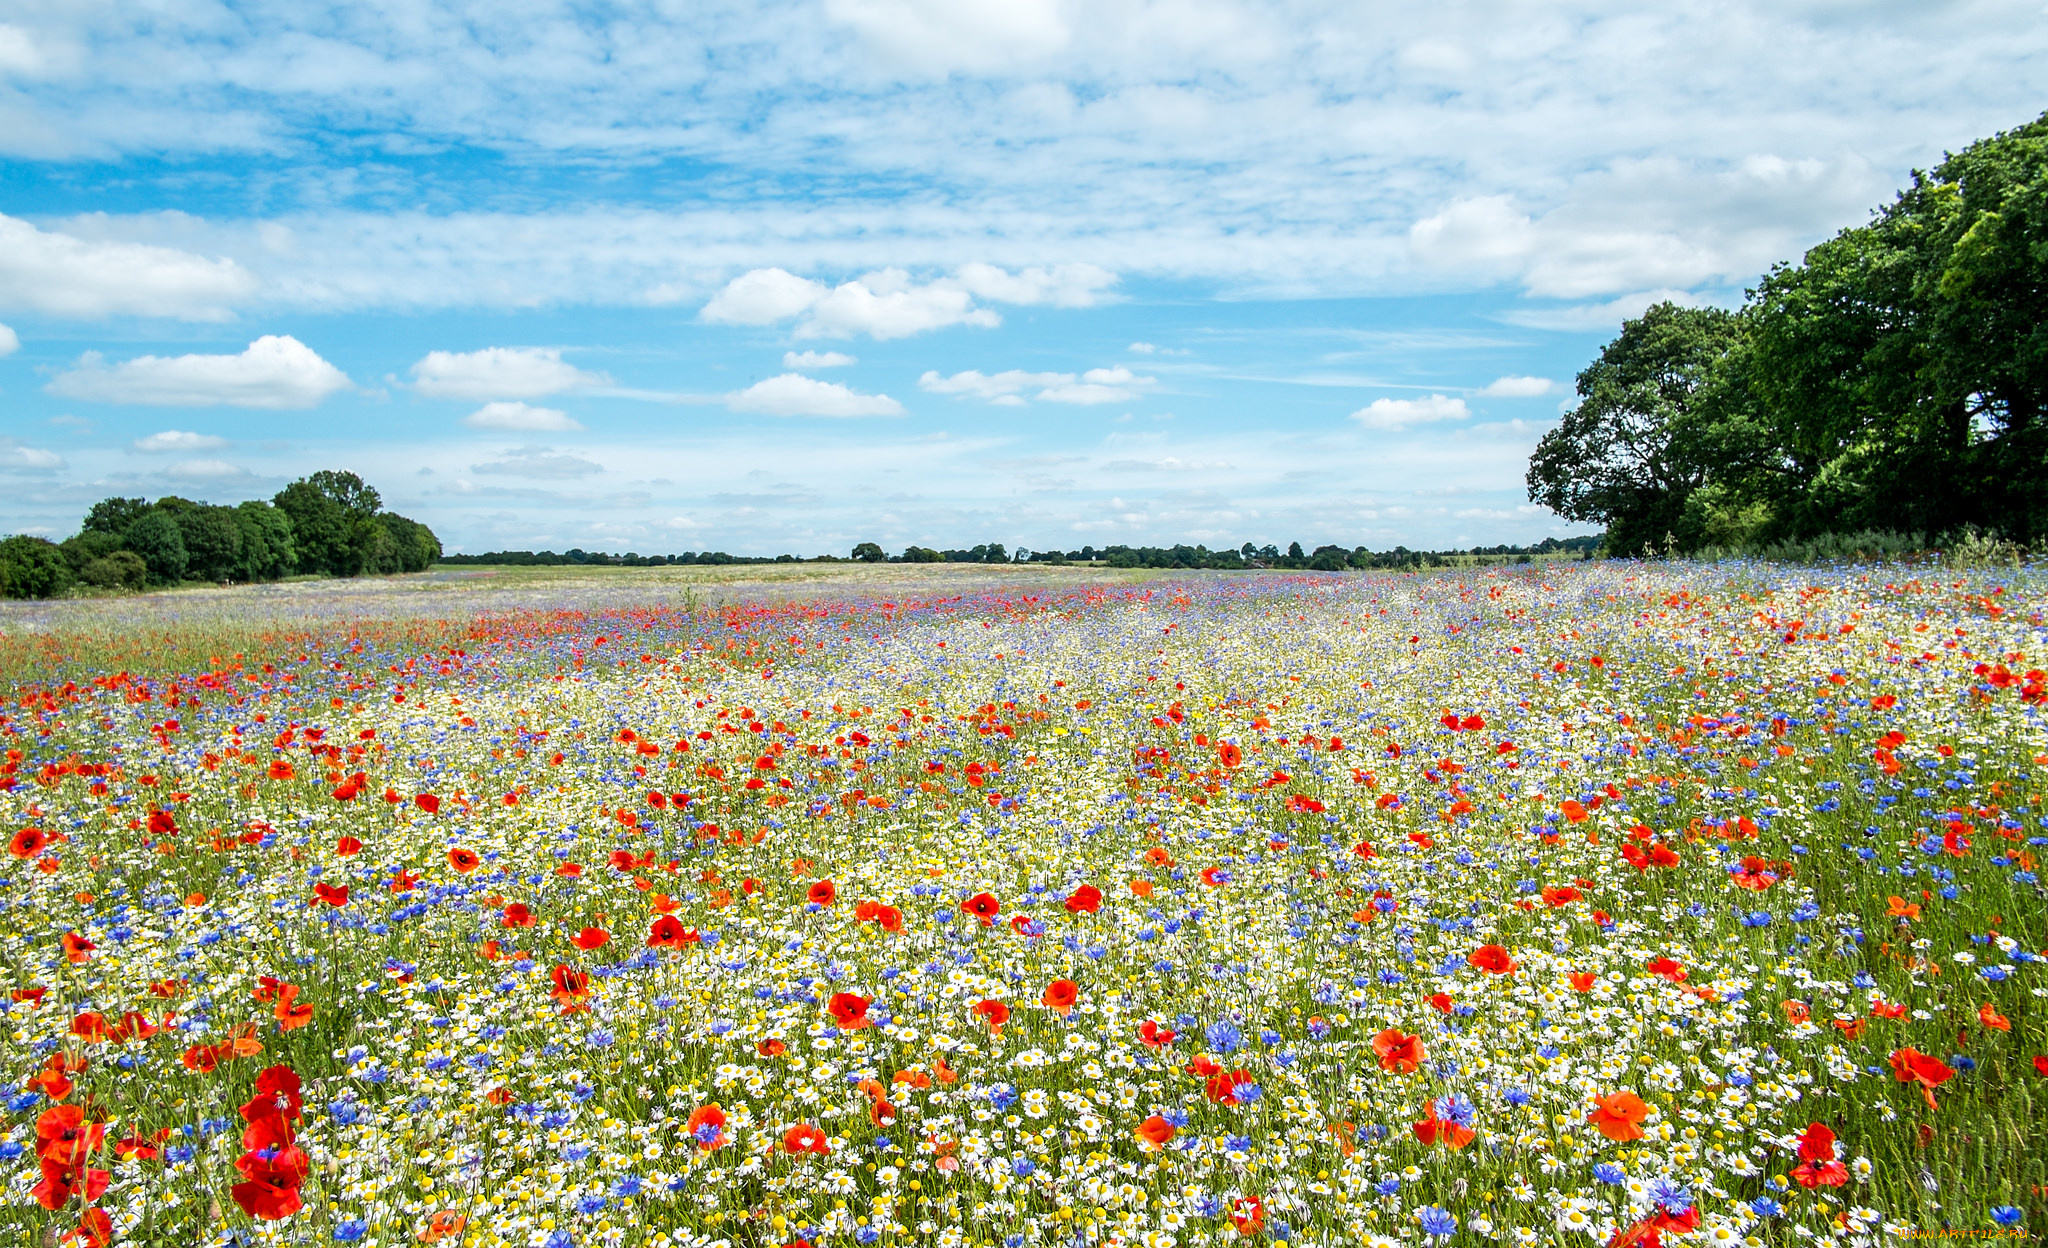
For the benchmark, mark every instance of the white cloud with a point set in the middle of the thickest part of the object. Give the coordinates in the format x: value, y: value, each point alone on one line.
x: 172, y: 441
x: 1396, y: 414
x: 1099, y: 385
x: 277, y: 371
x: 792, y: 394
x: 205, y: 470
x: 763, y: 297
x: 10, y: 342
x: 61, y: 275
x: 15, y: 458
x: 539, y: 463
x: 938, y: 37
x: 1061, y: 285
x: 499, y: 373
x: 519, y: 416
x: 816, y: 359
x: 888, y: 304
x: 1007, y: 388
x: 1141, y: 348
x: 1598, y: 316
x: 1518, y: 387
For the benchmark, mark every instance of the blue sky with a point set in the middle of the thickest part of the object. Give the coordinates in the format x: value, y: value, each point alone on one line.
x: 774, y: 277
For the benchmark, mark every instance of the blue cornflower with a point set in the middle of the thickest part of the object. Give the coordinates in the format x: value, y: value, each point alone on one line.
x: 592, y: 1203
x: 1455, y: 1108
x: 1022, y: 1167
x: 1610, y: 1174
x: 2008, y: 1215
x: 1224, y: 1037
x: 1436, y: 1223
x: 350, y: 1231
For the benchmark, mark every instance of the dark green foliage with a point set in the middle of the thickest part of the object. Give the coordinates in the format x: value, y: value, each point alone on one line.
x: 922, y: 554
x: 112, y: 516
x: 1895, y: 379
x: 123, y: 569
x: 869, y: 552
x: 212, y: 536
x: 33, y: 567
x: 268, y: 552
x: 408, y: 545
x: 334, y: 524
x: 157, y: 540
x: 83, y: 548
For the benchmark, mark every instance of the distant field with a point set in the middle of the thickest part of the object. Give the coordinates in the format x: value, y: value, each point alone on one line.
x: 178, y: 629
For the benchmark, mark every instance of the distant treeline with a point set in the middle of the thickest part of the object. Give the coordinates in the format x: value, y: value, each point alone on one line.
x: 1247, y: 556
x: 328, y: 524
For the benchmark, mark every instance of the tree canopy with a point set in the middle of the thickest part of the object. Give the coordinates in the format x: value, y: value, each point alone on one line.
x: 1894, y: 378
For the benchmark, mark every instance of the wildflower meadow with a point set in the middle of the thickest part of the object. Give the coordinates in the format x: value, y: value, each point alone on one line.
x: 1596, y: 903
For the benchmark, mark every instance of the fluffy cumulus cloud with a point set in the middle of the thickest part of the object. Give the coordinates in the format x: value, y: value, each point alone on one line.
x: 178, y: 441
x: 10, y: 342
x: 521, y: 417
x: 1518, y: 387
x: 1389, y: 415
x: 887, y: 303
x: 539, y: 463
x: 806, y: 361
x: 792, y: 394
x: 1009, y: 388
x: 59, y: 274
x: 499, y: 373
x: 277, y: 371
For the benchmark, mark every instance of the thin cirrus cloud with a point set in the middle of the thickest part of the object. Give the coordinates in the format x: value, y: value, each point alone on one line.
x: 500, y: 373
x: 1393, y: 415
x: 178, y: 441
x: 275, y: 372
x: 539, y: 463
x: 1008, y: 388
x: 520, y: 417
x: 888, y: 304
x: 17, y: 458
x: 792, y: 394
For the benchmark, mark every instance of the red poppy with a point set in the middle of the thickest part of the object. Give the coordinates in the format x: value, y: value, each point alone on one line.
x: 713, y: 1117
x: 665, y: 933
x: 982, y: 906
x: 1912, y: 1066
x: 1086, y: 899
x: 849, y: 1011
x: 427, y: 802
x: 771, y: 1048
x: 1562, y: 896
x: 347, y: 847
x: 1492, y: 959
x: 1618, y: 1116
x: 28, y: 842
x: 331, y: 895
x: 570, y: 986
x: 805, y: 1138
x: 1153, y: 1036
x: 1155, y: 1131
x: 464, y: 860
x: 1061, y: 994
x: 77, y: 948
x: 1248, y: 1215
x: 518, y: 914
x: 995, y: 1012
x: 1229, y: 755
x: 1583, y: 981
x: 822, y: 893
x: 1435, y: 1130
x: 1818, y: 1167
x: 1222, y: 1086
x: 1574, y: 812
x: 1441, y: 1002
x: 1665, y: 968
x: 1401, y: 1053
x: 590, y: 938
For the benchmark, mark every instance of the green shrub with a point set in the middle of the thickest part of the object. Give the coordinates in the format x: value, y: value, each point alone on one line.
x: 156, y: 538
x: 32, y: 567
x: 123, y: 569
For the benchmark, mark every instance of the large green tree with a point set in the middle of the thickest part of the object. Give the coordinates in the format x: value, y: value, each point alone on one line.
x: 334, y: 523
x: 1650, y: 430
